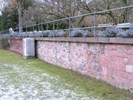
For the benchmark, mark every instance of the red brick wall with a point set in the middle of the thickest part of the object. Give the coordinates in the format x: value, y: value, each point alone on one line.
x: 106, y: 62
x: 16, y: 45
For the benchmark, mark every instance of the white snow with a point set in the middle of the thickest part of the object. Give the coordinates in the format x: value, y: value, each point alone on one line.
x: 20, y: 84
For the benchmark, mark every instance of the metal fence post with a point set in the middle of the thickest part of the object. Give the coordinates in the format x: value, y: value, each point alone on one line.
x: 53, y: 28
x: 33, y: 26
x: 38, y: 23
x: 41, y: 24
x: 26, y: 28
x: 95, y: 30
x: 46, y: 26
x: 131, y: 25
x: 69, y: 26
x: 57, y: 26
x: 32, y: 19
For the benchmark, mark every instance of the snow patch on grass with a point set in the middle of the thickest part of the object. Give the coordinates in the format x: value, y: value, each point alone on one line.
x: 25, y: 83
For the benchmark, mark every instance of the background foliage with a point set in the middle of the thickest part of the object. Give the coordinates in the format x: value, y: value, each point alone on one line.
x: 18, y: 13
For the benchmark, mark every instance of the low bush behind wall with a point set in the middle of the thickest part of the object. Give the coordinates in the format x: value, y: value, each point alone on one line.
x: 4, y: 43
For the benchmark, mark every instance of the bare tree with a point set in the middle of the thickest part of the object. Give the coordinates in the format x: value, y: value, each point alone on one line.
x: 21, y: 5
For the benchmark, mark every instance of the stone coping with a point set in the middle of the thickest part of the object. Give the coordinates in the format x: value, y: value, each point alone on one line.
x: 102, y: 40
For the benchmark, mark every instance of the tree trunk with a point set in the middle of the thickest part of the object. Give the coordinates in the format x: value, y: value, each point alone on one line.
x: 20, y: 17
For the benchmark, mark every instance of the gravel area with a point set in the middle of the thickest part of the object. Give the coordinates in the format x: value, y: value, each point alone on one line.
x: 27, y: 83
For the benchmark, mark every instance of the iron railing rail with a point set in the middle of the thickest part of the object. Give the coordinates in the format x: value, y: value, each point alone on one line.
x: 69, y: 22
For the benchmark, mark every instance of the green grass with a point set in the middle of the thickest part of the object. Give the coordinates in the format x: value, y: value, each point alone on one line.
x: 85, y: 84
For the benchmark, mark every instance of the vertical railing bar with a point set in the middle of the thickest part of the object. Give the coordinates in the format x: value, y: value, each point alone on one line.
x: 38, y: 23
x: 41, y: 24
x: 57, y: 26
x: 47, y: 26
x: 53, y: 28
x: 131, y: 27
x: 33, y: 26
x: 69, y: 26
x: 26, y: 28
x: 95, y: 30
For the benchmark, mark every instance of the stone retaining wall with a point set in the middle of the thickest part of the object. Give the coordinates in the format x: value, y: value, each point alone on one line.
x: 102, y: 59
x: 107, y: 59
x: 16, y: 45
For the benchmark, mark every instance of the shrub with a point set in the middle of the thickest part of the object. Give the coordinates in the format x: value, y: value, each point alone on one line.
x: 46, y: 33
x: 61, y: 33
x: 101, y: 34
x: 51, y: 34
x: 38, y: 34
x: 122, y: 34
x: 112, y: 32
x: 129, y: 33
x: 79, y: 33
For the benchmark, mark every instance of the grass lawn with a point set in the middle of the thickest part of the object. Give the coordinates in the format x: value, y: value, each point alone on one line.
x: 79, y: 83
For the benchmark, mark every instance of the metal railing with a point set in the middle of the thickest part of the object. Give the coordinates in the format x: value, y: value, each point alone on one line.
x: 53, y: 25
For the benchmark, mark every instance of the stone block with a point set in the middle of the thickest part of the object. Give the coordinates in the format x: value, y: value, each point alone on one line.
x: 16, y: 45
x: 29, y: 47
x: 129, y: 68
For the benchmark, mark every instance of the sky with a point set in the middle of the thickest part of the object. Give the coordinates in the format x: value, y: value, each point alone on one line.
x: 0, y: 7
x: 2, y: 3
x: 87, y: 1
